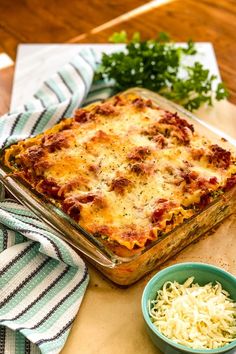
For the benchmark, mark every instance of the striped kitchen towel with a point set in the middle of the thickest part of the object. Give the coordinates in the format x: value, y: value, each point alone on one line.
x: 42, y: 280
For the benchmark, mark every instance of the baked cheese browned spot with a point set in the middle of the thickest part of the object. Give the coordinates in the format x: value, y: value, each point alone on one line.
x: 126, y: 170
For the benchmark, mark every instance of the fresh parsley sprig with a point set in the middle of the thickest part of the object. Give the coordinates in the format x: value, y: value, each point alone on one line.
x: 156, y: 64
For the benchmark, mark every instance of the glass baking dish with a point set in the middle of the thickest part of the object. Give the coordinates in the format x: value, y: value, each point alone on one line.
x: 127, y: 270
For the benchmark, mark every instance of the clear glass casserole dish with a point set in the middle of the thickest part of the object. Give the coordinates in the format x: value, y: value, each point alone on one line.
x: 126, y: 270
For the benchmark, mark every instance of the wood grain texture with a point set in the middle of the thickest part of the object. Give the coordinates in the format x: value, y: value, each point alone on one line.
x: 54, y: 21
x: 9, y: 41
x: 204, y: 20
x: 6, y: 78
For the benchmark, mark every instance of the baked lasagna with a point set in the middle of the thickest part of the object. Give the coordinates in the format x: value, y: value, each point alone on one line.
x: 127, y: 170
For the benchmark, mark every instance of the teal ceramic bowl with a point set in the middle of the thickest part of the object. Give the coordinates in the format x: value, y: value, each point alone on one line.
x: 203, y: 274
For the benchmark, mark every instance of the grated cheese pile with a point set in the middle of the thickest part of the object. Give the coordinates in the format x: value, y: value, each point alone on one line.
x: 199, y: 317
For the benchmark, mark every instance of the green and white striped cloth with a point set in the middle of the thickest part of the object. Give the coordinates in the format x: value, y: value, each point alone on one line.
x: 42, y: 280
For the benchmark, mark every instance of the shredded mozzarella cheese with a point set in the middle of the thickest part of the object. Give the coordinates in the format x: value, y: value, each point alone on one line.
x: 199, y: 317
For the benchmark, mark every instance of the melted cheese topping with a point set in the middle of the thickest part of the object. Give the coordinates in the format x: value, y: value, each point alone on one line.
x: 131, y: 168
x: 199, y: 317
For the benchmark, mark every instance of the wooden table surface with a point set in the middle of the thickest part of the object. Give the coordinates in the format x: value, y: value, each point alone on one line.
x: 203, y: 20
x: 54, y: 21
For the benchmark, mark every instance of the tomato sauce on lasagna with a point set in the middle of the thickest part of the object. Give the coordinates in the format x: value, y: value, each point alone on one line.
x: 125, y: 169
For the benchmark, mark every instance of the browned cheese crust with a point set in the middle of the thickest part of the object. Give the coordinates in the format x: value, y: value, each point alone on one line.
x: 127, y: 170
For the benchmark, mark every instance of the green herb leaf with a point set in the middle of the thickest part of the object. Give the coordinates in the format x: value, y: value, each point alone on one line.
x: 221, y: 91
x: 118, y: 37
x: 156, y: 64
x: 136, y: 37
x: 163, y: 37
